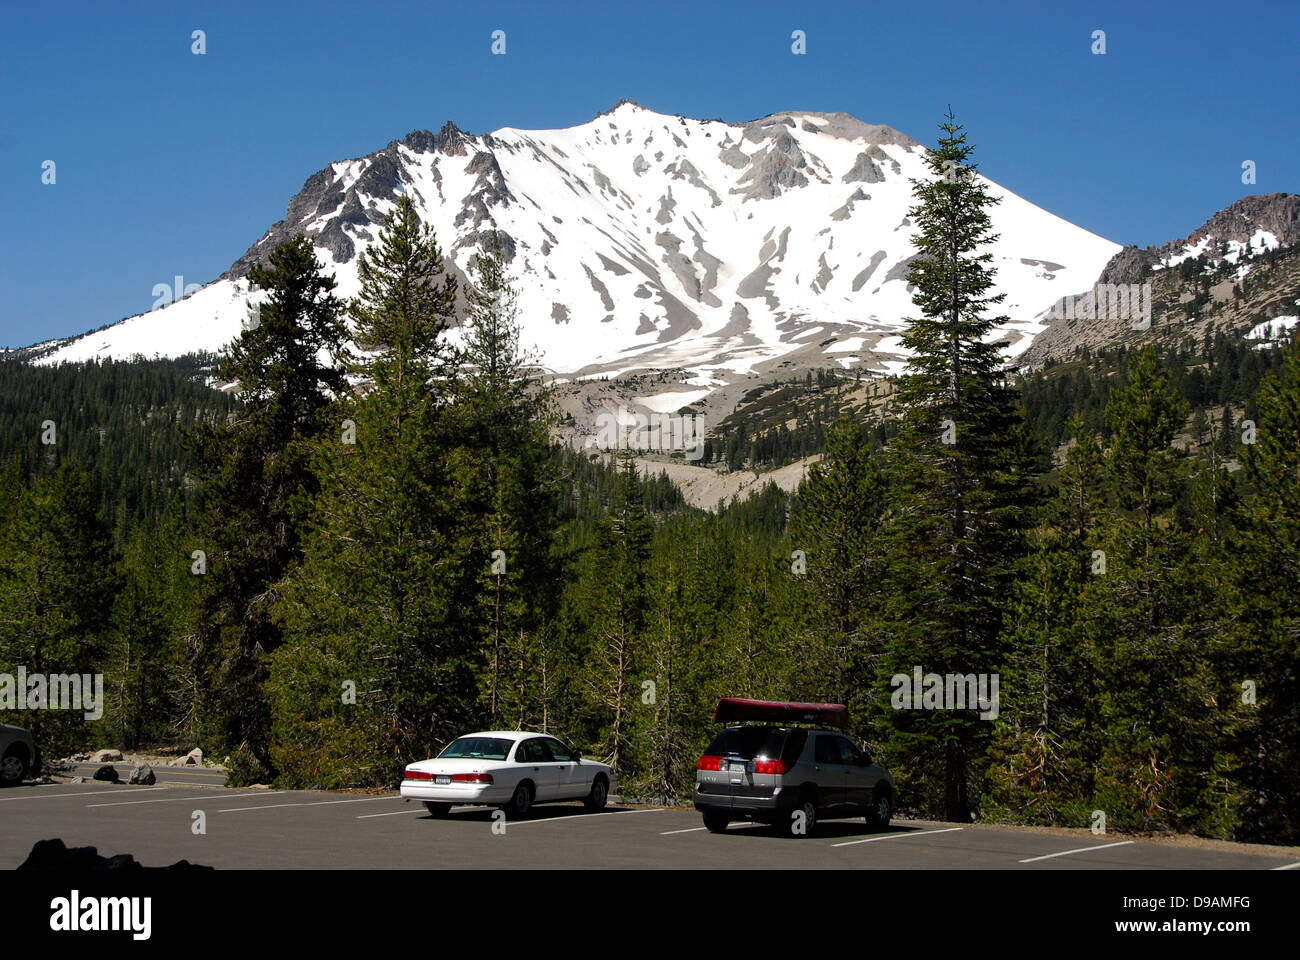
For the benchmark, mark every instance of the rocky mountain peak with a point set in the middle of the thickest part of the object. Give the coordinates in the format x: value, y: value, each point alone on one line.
x: 733, y: 250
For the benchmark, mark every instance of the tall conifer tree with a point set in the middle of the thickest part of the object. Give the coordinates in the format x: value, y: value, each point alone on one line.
x: 959, y: 468
x: 374, y: 673
x: 257, y: 483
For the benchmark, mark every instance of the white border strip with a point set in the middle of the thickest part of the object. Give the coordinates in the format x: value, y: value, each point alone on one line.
x: 1066, y: 853
x: 128, y: 803
x: 315, y: 803
x: 897, y: 836
x: 84, y: 793
x: 580, y: 816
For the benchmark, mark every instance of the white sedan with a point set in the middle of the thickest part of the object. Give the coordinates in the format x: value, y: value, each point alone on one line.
x: 511, y: 769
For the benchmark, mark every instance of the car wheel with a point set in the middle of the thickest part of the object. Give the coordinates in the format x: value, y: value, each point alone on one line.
x: 803, y: 826
x: 521, y: 802
x: 13, y: 768
x: 882, y: 809
x: 716, y: 822
x: 599, y: 794
x: 437, y: 809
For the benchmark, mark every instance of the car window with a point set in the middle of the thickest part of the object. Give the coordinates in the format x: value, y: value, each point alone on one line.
x: 851, y: 754
x: 828, y: 750
x: 559, y: 751
x: 748, y: 743
x: 533, y: 751
x: 477, y: 748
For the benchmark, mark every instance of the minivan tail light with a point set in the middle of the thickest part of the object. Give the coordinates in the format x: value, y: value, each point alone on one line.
x: 709, y: 763
x: 771, y: 766
x: 471, y: 778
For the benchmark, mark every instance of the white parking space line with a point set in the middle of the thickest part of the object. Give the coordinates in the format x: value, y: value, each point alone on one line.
x: 83, y: 793
x: 583, y: 816
x: 1066, y: 853
x: 1287, y: 866
x: 396, y: 813
x: 669, y: 833
x: 896, y: 836
x: 315, y: 803
x: 128, y: 803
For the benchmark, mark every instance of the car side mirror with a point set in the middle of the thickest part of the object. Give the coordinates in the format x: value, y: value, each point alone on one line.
x: 577, y: 755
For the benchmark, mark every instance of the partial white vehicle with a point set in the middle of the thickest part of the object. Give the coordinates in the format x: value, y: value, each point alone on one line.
x: 19, y: 758
x: 511, y: 769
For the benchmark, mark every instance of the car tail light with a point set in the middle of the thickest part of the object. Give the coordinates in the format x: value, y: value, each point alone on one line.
x: 471, y: 778
x: 709, y: 763
x: 418, y: 775
x: 771, y: 766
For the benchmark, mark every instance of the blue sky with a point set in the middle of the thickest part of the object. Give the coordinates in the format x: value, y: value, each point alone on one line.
x: 172, y: 164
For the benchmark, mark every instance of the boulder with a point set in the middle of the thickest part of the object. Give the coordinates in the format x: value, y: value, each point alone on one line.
x: 55, y: 855
x: 194, y: 758
x: 143, y: 774
x: 106, y: 756
x: 106, y: 773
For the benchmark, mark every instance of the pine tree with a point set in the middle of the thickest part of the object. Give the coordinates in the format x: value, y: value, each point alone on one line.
x: 841, y: 509
x: 1142, y: 419
x: 1149, y: 651
x: 1259, y: 649
x: 500, y: 421
x: 138, y: 705
x: 58, y: 576
x: 614, y: 588
x: 670, y: 691
x: 1046, y: 752
x: 257, y: 485
x: 959, y: 470
x: 374, y: 672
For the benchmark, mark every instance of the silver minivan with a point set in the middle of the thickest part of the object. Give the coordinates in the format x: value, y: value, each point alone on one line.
x: 789, y: 775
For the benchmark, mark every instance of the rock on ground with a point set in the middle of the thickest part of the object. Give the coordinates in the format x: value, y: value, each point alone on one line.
x: 56, y: 856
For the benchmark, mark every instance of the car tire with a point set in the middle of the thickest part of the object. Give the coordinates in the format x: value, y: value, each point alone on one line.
x: 437, y: 809
x: 882, y: 809
x: 521, y: 802
x: 13, y: 767
x: 595, y: 800
x: 716, y: 822
x: 808, y: 806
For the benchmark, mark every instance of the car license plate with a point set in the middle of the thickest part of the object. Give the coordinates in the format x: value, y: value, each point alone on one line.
x: 442, y: 778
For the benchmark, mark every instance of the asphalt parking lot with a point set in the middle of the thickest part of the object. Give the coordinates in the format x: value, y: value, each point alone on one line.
x: 316, y: 830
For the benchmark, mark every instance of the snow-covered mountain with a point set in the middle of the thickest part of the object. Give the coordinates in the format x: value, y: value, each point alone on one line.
x: 640, y: 240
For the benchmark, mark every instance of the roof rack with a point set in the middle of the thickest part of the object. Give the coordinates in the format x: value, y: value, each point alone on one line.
x: 736, y: 709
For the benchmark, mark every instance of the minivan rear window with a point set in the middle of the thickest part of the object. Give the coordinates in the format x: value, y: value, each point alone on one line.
x: 750, y: 742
